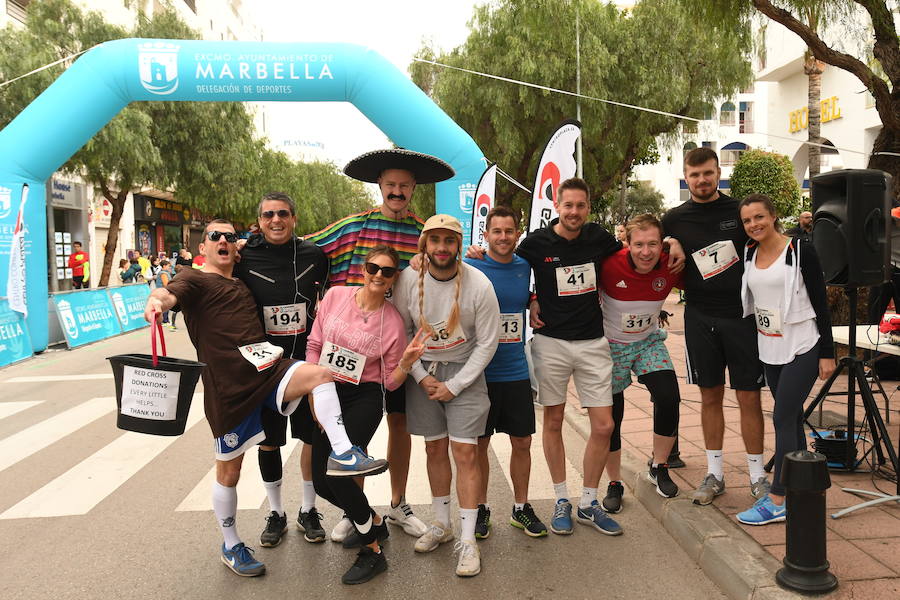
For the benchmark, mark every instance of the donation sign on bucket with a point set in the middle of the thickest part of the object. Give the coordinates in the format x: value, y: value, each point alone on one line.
x: 150, y: 394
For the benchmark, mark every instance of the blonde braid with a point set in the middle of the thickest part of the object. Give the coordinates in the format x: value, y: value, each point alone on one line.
x: 453, y: 320
x: 423, y: 322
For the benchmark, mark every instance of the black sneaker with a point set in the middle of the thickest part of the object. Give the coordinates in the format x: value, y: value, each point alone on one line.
x: 368, y: 564
x: 483, y: 523
x: 527, y: 521
x: 665, y: 487
x: 276, y: 525
x: 613, y: 501
x: 310, y: 523
x: 353, y: 540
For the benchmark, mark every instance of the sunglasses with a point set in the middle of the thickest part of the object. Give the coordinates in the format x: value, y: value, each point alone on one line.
x: 372, y: 268
x: 282, y: 213
x: 215, y: 235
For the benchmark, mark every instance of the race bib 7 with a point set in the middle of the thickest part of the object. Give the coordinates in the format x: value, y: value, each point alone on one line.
x: 715, y: 258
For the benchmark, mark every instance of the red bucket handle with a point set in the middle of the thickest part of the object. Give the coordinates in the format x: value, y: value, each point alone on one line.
x: 156, y: 325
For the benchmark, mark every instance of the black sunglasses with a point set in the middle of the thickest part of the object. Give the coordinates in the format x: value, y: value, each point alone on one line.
x: 372, y: 268
x: 215, y: 235
x: 283, y: 213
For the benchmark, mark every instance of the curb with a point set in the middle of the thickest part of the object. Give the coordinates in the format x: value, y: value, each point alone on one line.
x: 732, y: 559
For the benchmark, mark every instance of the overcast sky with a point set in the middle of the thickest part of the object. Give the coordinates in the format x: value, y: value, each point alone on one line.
x: 394, y: 28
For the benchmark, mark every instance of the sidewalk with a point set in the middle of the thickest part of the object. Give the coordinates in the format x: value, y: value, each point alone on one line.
x: 863, y: 547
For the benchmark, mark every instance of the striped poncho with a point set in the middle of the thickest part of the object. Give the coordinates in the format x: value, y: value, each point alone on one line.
x: 347, y: 241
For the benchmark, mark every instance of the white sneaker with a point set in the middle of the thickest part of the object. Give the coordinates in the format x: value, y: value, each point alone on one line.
x: 469, y: 563
x: 342, y: 530
x: 436, y: 535
x: 403, y: 516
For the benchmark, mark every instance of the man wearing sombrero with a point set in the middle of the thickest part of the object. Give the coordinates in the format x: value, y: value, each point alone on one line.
x: 346, y: 242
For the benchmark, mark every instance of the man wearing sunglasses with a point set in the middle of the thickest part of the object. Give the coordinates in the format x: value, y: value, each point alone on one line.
x: 346, y: 242
x: 242, y: 373
x: 286, y: 276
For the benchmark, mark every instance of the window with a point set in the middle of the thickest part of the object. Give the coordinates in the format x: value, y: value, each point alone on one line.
x: 745, y: 117
x: 17, y: 9
x: 688, y: 126
x: 687, y: 148
x: 710, y: 145
x: 731, y: 153
x: 726, y: 114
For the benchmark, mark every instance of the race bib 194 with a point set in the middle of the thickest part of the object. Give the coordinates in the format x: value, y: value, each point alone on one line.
x: 344, y: 364
x: 262, y: 355
x: 287, y: 319
x: 715, y: 258
x: 511, y: 326
x: 577, y: 279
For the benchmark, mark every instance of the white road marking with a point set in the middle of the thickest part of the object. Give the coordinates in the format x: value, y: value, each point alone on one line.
x: 39, y: 436
x: 48, y: 378
x: 8, y: 409
x: 378, y: 488
x: 85, y: 485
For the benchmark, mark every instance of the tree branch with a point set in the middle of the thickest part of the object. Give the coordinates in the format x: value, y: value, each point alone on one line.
x: 886, y: 48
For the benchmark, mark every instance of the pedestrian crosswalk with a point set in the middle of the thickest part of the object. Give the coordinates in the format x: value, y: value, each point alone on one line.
x: 104, y: 470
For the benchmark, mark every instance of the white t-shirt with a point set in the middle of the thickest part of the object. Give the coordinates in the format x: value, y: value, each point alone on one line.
x: 779, y: 342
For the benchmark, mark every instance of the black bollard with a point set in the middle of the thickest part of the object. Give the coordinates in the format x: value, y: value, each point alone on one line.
x: 805, y: 477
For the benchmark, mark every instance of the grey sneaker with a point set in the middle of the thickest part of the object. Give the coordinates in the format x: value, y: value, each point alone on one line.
x: 436, y: 535
x: 709, y: 489
x: 760, y: 487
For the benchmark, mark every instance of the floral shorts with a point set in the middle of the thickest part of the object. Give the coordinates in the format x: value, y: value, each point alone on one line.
x: 646, y: 356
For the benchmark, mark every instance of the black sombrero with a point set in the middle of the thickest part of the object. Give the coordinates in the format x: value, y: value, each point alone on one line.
x: 425, y: 168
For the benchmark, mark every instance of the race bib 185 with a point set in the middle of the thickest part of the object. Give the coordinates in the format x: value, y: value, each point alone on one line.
x: 344, y: 364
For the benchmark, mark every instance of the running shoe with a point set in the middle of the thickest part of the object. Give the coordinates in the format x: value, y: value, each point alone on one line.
x: 659, y: 476
x: 353, y: 539
x: 561, y: 523
x: 342, y: 530
x: 763, y: 512
x: 240, y: 560
x: 469, y: 564
x: 596, y: 517
x: 368, y: 564
x: 527, y: 521
x: 760, y: 488
x: 436, y: 535
x: 310, y: 523
x: 613, y: 501
x: 709, y: 489
x: 402, y: 515
x: 483, y: 523
x: 276, y: 525
x: 354, y: 463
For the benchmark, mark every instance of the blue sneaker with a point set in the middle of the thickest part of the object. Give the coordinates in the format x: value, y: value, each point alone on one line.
x: 763, y: 512
x: 597, y: 517
x: 354, y: 463
x: 561, y: 523
x: 240, y: 560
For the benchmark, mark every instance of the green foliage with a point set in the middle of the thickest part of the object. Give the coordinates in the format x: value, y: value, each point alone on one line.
x: 623, y: 58
x: 760, y: 172
x: 640, y: 197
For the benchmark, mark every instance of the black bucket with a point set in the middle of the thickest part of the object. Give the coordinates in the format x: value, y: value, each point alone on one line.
x: 154, y: 393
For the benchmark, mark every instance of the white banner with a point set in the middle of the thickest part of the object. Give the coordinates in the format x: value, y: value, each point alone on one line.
x: 557, y: 164
x: 15, y: 283
x: 484, y: 202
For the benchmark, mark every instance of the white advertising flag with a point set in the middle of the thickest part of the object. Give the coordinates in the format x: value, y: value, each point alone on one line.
x: 15, y: 283
x: 557, y: 164
x: 484, y: 202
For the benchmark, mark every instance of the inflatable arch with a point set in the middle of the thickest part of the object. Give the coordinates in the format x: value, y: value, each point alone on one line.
x: 108, y: 77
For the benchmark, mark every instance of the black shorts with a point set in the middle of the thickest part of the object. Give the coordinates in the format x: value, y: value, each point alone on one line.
x: 395, y: 402
x: 275, y: 425
x: 716, y: 342
x: 512, y: 408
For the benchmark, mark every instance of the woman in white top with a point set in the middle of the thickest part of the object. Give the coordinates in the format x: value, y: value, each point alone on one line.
x: 783, y: 287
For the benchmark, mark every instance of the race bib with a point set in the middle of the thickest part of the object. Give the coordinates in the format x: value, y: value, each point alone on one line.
x: 636, y: 323
x: 344, y: 364
x: 577, y: 279
x: 287, y: 319
x: 262, y: 355
x: 511, y: 326
x: 442, y: 339
x: 768, y: 322
x: 715, y: 258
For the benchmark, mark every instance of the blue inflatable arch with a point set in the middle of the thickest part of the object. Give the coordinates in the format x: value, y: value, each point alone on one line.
x: 108, y: 77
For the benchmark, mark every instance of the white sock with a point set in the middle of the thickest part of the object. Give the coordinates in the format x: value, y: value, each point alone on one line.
x: 467, y: 518
x: 328, y: 413
x: 588, y: 496
x: 364, y: 528
x: 561, y: 491
x: 518, y: 506
x: 715, y: 464
x: 273, y: 493
x: 224, y: 501
x: 441, y: 507
x: 309, y: 496
x: 756, y: 466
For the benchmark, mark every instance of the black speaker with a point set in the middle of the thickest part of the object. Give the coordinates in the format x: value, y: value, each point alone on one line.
x: 851, y: 217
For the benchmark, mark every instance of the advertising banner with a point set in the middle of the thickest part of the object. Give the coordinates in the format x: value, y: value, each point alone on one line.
x: 86, y: 316
x: 557, y: 164
x: 129, y: 302
x: 15, y: 344
x: 484, y: 202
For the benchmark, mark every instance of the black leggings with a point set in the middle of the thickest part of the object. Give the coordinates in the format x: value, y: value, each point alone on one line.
x: 663, y: 387
x: 361, y: 409
x: 790, y: 385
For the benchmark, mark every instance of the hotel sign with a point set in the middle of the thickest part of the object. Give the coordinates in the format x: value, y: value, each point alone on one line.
x: 799, y: 119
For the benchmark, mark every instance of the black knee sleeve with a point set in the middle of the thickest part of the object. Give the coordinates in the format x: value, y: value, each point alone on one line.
x: 618, y: 411
x: 663, y: 387
x: 270, y: 464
